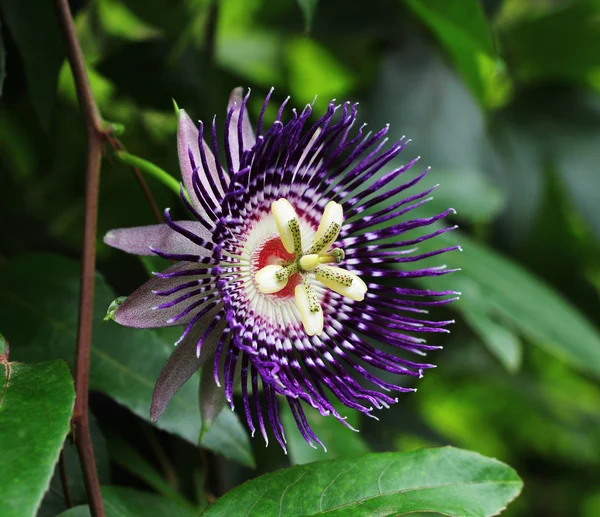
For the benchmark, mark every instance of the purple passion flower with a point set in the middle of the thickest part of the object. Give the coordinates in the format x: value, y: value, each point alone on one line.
x: 292, y: 268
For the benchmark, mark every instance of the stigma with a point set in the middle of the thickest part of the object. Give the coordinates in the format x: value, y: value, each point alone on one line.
x: 312, y: 262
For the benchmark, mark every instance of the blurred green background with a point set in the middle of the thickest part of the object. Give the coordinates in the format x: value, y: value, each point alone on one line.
x: 500, y: 97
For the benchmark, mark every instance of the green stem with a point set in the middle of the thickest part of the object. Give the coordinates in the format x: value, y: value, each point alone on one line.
x: 149, y: 168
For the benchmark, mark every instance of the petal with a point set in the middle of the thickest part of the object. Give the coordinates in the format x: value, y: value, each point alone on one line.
x: 239, y: 138
x: 183, y: 362
x: 138, y: 240
x: 342, y: 282
x: 187, y: 140
x: 138, y: 308
x: 284, y: 212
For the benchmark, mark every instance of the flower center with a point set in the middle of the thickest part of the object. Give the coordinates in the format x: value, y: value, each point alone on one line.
x: 283, y: 264
x: 272, y: 253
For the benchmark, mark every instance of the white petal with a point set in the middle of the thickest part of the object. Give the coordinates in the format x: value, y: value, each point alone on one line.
x: 327, y: 276
x: 312, y: 321
x: 266, y: 280
x: 284, y: 212
x: 333, y: 213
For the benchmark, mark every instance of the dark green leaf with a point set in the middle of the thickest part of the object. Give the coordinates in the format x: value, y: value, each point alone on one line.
x: 126, y: 502
x: 450, y: 481
x: 512, y: 293
x: 469, y: 191
x: 562, y: 43
x: 211, y: 398
x: 36, y: 402
x: 499, y: 339
x: 308, y: 10
x: 340, y: 441
x: 34, y: 28
x: 43, y: 291
x: 128, y: 457
x: 422, y: 98
x: 464, y: 32
x: 54, y: 500
x: 2, y: 61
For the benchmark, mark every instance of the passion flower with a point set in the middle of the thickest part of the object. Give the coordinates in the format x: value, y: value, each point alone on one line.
x: 294, y: 267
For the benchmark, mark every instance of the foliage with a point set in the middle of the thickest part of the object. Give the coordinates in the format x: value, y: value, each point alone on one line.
x: 500, y: 97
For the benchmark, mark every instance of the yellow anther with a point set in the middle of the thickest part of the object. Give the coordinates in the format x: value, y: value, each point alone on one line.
x: 267, y: 280
x: 333, y: 213
x: 342, y: 282
x: 311, y: 315
x: 274, y: 278
x: 283, y: 213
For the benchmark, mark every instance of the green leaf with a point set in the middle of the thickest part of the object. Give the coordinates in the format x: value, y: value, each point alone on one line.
x: 571, y: 32
x: 467, y: 190
x: 463, y: 30
x: 54, y: 500
x: 447, y: 480
x: 129, y: 458
x: 433, y: 109
x: 340, y: 441
x: 312, y: 67
x: 36, y: 401
x: 2, y: 61
x: 126, y: 502
x: 38, y: 305
x: 34, y: 28
x: 500, y: 340
x: 211, y: 398
x: 308, y: 10
x: 519, y: 297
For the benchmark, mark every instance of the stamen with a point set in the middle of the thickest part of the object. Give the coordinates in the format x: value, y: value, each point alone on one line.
x: 284, y: 213
x: 327, y: 239
x: 268, y: 280
x: 333, y: 213
x: 342, y: 282
x: 297, y: 236
x: 273, y: 278
x: 286, y: 272
x: 310, y: 309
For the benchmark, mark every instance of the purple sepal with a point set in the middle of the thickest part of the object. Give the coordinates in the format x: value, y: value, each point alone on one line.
x: 183, y: 363
x: 138, y: 309
x: 140, y: 239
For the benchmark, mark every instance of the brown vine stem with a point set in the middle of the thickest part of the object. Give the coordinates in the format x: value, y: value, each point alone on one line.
x: 95, y: 132
x: 64, y: 479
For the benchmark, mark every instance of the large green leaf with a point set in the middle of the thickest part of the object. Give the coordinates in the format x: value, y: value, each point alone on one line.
x: 36, y: 401
x: 126, y: 502
x: 463, y: 30
x: 38, y: 306
x: 34, y: 28
x: 447, y: 480
x: 504, y: 289
x: 560, y: 44
x: 54, y: 500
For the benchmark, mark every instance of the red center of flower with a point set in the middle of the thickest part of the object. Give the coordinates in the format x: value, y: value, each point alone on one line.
x: 273, y: 252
